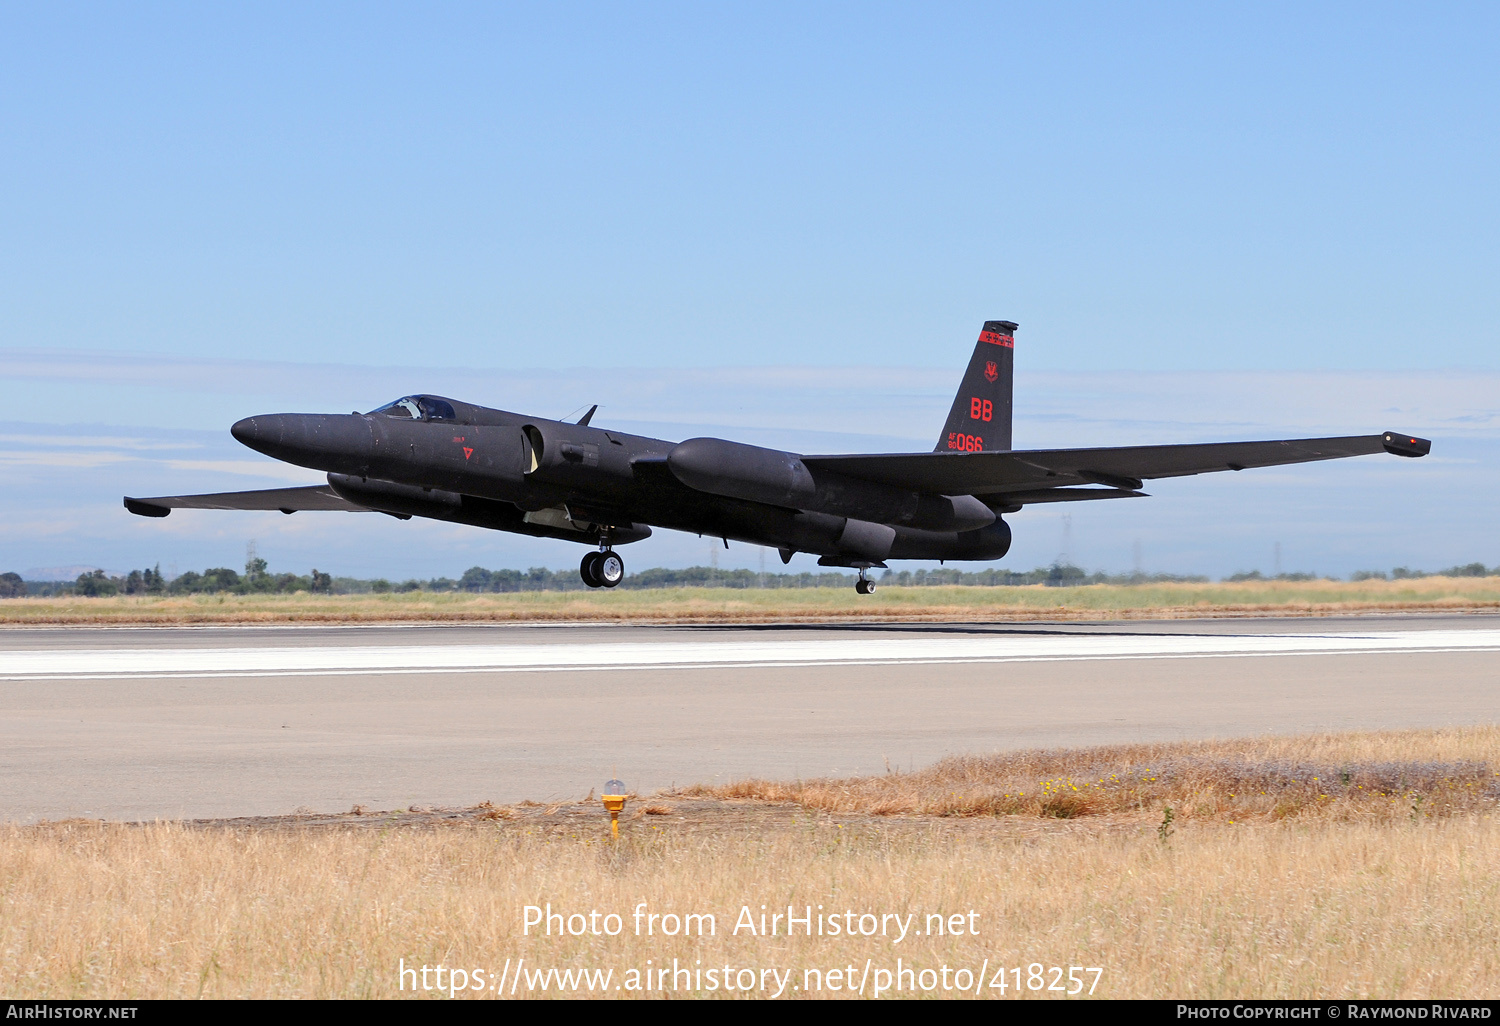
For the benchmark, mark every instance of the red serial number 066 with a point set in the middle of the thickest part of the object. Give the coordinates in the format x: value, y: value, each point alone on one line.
x: 965, y: 443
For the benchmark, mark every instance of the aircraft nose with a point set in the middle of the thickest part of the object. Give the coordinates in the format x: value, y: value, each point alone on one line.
x: 334, y: 442
x: 262, y: 433
x: 246, y: 432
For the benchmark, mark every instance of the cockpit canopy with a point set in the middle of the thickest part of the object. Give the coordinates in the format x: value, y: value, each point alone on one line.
x: 418, y: 407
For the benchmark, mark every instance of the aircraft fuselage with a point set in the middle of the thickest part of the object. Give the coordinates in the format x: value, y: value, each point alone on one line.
x: 492, y: 468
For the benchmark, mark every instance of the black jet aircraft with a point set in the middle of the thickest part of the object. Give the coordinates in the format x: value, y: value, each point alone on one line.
x: 426, y: 456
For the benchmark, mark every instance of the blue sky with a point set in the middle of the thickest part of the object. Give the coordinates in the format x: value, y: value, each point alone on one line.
x: 782, y: 223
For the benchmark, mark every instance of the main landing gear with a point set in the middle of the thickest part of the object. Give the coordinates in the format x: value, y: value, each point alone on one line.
x: 864, y: 585
x: 602, y: 569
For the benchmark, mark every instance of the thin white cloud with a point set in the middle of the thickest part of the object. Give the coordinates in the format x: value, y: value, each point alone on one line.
x: 96, y: 442
x: 1224, y: 404
x: 72, y: 460
x: 249, y: 468
x: 54, y: 523
x: 69, y: 460
x: 910, y: 403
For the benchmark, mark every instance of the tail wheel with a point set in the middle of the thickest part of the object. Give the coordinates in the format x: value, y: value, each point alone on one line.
x: 609, y: 568
x: 589, y: 570
x: 864, y: 587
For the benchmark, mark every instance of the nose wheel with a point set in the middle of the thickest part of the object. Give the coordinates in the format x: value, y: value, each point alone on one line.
x: 864, y: 585
x: 602, y: 569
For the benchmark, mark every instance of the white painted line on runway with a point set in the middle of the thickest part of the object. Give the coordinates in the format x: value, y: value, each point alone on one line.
x: 62, y: 664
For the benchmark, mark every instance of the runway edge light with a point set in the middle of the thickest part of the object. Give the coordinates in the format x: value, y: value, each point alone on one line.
x: 614, y: 800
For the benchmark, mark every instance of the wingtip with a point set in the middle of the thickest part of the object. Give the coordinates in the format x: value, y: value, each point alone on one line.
x: 1400, y: 444
x: 145, y: 509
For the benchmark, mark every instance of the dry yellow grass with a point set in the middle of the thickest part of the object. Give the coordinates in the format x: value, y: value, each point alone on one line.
x: 1367, y: 776
x: 1100, y: 601
x: 1308, y: 906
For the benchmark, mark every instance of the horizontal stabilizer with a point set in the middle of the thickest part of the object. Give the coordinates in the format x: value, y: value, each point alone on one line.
x: 287, y: 500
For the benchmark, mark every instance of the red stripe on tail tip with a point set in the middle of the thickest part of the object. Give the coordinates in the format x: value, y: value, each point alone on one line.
x: 994, y: 338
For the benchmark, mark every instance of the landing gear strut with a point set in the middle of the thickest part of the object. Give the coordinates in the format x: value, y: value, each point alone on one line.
x: 864, y: 585
x: 602, y: 569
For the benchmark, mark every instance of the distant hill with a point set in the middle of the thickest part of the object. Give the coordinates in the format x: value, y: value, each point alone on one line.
x: 58, y: 573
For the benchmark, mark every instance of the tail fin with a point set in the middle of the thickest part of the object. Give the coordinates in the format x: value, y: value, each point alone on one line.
x: 980, y: 418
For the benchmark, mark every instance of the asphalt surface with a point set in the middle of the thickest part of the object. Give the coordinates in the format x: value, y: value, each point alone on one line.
x: 141, y: 723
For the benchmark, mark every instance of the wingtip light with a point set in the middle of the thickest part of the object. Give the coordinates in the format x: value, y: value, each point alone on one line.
x: 1405, y: 445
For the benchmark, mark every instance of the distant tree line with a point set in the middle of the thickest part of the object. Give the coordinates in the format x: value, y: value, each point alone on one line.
x: 256, y: 579
x: 98, y: 584
x: 1402, y: 573
x: 1256, y: 575
x: 1058, y: 575
x: 478, y: 579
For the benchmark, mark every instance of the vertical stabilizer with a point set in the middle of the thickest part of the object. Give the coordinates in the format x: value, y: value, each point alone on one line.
x: 980, y: 418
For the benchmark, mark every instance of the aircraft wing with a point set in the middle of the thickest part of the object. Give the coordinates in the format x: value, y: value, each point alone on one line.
x: 1040, y: 475
x: 288, y: 500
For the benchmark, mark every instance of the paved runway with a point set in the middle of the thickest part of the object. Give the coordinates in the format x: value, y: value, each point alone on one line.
x: 147, y: 722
